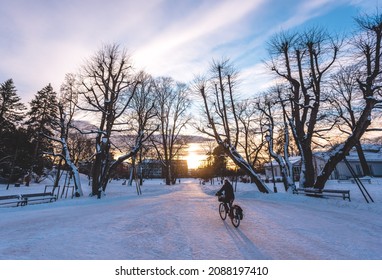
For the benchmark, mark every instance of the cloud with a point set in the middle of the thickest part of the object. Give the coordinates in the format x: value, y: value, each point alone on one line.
x: 187, y: 44
x: 252, y: 52
x: 44, y: 40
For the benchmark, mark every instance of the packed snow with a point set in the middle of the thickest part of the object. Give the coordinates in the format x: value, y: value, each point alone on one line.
x: 181, y: 222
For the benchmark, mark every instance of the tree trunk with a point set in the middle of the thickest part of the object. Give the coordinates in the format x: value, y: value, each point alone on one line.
x: 96, y: 174
x: 362, y: 160
x: 73, y: 169
x: 307, y: 175
x: 58, y: 175
x: 337, y: 156
x: 167, y: 170
x: 248, y: 169
x: 65, y: 155
x: 287, y: 180
x: 132, y: 172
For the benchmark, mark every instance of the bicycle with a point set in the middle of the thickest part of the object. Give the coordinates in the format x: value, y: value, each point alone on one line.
x: 236, y: 212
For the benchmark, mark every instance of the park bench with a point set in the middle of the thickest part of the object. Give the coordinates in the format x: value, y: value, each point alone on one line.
x: 24, y: 199
x: 345, y: 194
x: 38, y: 197
x: 10, y: 199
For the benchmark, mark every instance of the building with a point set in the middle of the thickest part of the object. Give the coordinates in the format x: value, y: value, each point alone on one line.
x: 150, y: 168
x: 296, y: 165
x: 153, y: 168
x: 373, y: 154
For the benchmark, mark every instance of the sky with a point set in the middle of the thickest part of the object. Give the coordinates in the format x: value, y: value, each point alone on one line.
x: 41, y: 41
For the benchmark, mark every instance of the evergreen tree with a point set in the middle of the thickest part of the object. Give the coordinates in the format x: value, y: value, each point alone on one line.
x: 42, y: 115
x: 17, y: 157
x: 10, y: 107
x: 10, y: 115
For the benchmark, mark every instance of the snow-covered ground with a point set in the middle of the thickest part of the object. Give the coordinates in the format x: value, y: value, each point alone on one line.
x: 181, y: 222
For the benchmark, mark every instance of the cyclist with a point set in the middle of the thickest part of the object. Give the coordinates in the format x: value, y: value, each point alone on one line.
x: 229, y: 196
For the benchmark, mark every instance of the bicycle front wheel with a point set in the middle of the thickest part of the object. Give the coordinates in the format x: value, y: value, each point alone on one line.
x: 222, y: 212
x: 235, y: 218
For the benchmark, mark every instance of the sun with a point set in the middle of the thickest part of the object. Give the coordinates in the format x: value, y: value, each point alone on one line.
x: 195, y: 156
x: 192, y: 161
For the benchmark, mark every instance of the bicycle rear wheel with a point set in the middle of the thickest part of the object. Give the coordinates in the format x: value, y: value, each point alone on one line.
x: 222, y: 211
x: 235, y: 218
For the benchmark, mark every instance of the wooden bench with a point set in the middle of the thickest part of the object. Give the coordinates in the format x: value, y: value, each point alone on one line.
x: 38, y: 197
x: 10, y: 199
x: 345, y: 194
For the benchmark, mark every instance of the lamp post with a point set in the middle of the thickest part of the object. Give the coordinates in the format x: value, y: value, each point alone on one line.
x: 268, y: 138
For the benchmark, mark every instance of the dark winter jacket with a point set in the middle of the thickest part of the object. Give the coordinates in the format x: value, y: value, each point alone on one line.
x: 227, y: 190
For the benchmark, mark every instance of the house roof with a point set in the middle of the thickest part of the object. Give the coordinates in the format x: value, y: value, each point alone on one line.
x: 372, y: 152
x: 293, y: 160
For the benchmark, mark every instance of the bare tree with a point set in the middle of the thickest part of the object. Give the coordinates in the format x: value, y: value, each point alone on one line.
x: 220, y: 111
x: 302, y: 60
x: 172, y: 113
x: 347, y: 100
x: 67, y: 109
x: 81, y: 146
x: 273, y: 108
x: 252, y: 139
x: 139, y: 120
x: 108, y: 86
x: 63, y: 123
x: 368, y: 44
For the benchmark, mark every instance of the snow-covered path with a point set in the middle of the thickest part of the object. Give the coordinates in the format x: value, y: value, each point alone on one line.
x: 182, y: 222
x: 287, y: 231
